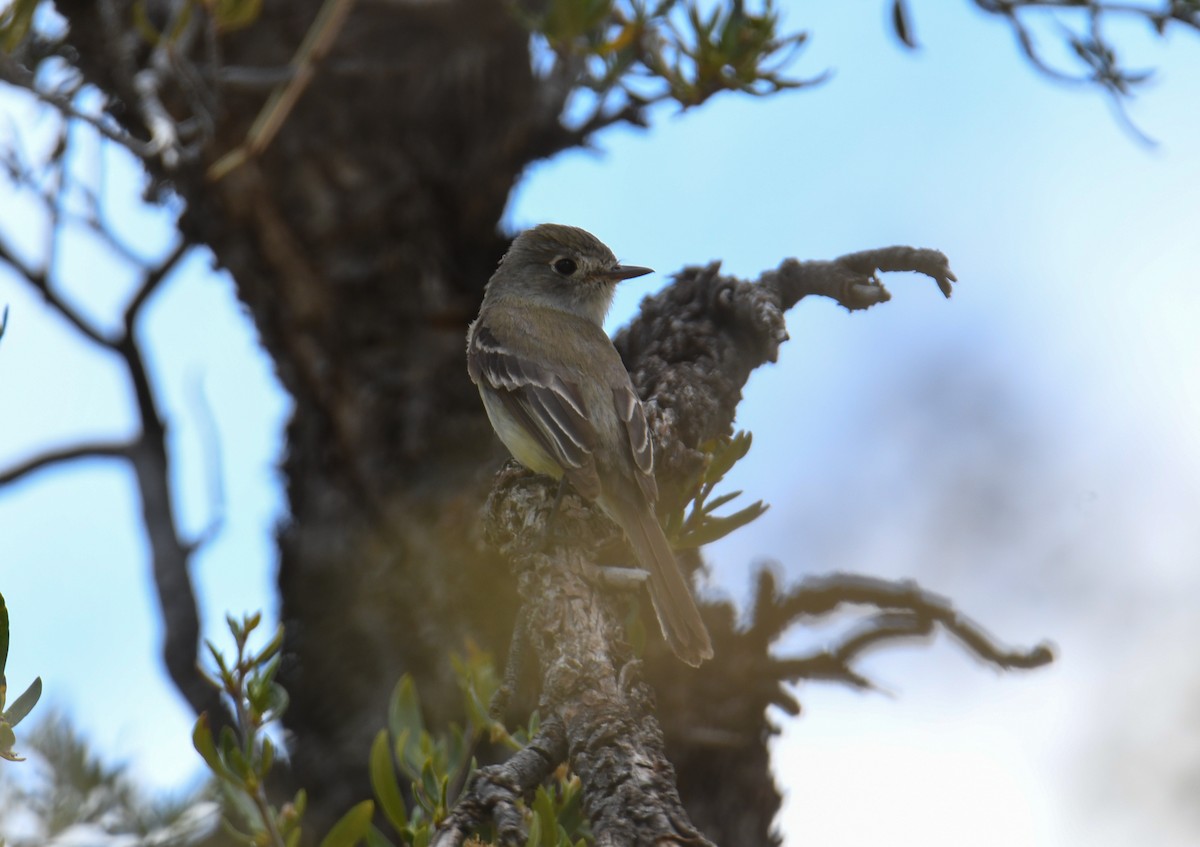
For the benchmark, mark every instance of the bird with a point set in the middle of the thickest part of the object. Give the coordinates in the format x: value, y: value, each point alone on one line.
x: 561, y: 401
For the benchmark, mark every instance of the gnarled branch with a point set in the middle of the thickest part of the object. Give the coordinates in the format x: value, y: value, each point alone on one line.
x: 690, y: 350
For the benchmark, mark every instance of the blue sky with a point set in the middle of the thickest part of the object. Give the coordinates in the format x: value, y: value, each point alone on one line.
x: 1029, y: 448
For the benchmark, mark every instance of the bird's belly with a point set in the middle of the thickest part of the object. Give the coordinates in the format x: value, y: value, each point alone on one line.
x: 524, y: 448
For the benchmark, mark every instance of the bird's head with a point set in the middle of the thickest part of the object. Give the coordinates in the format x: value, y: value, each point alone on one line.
x: 562, y: 267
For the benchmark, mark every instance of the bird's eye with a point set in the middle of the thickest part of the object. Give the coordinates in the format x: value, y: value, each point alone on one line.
x: 566, y: 267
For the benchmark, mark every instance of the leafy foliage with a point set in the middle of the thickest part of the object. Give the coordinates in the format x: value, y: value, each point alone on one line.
x: 699, y: 525
x: 24, y: 704
x: 435, y: 768
x: 242, y: 759
x: 629, y: 53
x: 416, y: 775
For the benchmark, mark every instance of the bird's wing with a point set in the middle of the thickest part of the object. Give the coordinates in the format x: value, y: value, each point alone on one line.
x: 630, y: 411
x: 550, y: 408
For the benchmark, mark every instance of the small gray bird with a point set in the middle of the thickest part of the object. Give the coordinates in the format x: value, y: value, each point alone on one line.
x: 560, y: 399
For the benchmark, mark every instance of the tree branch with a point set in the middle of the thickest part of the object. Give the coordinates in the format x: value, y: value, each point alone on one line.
x: 15, y: 74
x: 599, y: 709
x: 493, y: 793
x: 41, y: 283
x: 693, y: 345
x: 151, y: 281
x: 824, y: 595
x: 170, y: 556
x: 95, y: 450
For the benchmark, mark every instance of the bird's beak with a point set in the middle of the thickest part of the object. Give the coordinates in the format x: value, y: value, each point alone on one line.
x: 620, y: 272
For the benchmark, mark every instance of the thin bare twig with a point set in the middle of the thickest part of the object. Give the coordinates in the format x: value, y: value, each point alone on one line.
x: 41, y: 283
x: 94, y: 450
x: 151, y: 281
x: 14, y: 74
x: 920, y: 611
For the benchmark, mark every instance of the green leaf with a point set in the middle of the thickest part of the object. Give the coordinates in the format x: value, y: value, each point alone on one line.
x: 443, y: 799
x: 236, y: 14
x: 421, y: 836
x: 266, y: 756
x: 375, y: 838
x: 404, y: 710
x: 8, y: 739
x: 535, y: 832
x: 713, y: 528
x: 385, y: 784
x: 23, y: 704
x: 232, y: 755
x: 219, y: 659
x: 277, y: 701
x: 725, y: 456
x: 3, y: 631
x: 352, y: 827
x: 15, y: 23
x: 236, y: 835
x: 407, y: 756
x: 272, y: 647
x: 571, y: 815
x: 543, y: 810
x: 431, y: 784
x: 202, y: 740
x: 717, y: 502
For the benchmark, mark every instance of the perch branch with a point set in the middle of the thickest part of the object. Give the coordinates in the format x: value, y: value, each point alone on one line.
x: 591, y: 684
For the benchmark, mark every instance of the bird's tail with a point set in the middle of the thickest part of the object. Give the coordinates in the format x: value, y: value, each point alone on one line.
x: 677, y: 613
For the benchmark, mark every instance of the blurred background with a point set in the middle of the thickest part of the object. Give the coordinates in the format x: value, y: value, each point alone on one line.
x: 1029, y: 448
